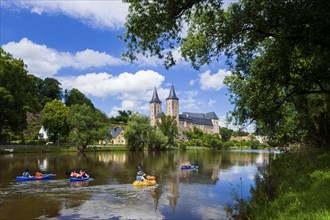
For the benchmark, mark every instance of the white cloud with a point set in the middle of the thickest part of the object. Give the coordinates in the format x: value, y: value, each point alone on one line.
x: 90, y: 58
x: 213, y: 82
x: 223, y: 123
x: 155, y: 61
x: 96, y: 14
x: 135, y: 106
x: 134, y: 90
x: 125, y: 86
x: 192, y: 82
x: 211, y: 102
x: 46, y: 62
x: 188, y: 102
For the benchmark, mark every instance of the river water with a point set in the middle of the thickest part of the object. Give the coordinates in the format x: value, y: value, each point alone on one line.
x: 109, y: 194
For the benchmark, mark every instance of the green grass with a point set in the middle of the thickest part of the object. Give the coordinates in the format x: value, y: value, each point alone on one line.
x: 106, y: 148
x: 197, y: 148
x: 296, y: 186
x: 54, y: 148
x: 38, y: 149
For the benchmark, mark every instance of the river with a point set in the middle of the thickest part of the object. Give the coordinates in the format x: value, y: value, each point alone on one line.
x: 109, y: 194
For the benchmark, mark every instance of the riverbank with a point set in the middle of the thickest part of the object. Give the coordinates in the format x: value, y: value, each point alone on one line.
x: 9, y: 149
x: 54, y: 148
x: 295, y: 186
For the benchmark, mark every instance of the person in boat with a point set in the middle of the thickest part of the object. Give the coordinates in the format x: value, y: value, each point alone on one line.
x: 83, y: 174
x: 144, y: 178
x: 26, y: 173
x: 38, y: 174
x: 74, y: 174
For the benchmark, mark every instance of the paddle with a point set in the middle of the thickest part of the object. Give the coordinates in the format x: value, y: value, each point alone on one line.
x: 140, y: 169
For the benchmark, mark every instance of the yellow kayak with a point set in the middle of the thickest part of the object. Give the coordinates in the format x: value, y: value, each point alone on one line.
x: 144, y: 183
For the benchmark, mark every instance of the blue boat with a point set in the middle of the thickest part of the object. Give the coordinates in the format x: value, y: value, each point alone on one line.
x: 189, y: 167
x: 75, y: 179
x: 26, y: 178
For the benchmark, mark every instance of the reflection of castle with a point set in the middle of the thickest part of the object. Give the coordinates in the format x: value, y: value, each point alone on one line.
x: 173, y: 191
x: 207, y: 122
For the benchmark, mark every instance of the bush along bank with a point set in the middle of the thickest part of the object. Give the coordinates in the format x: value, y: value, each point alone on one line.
x: 294, y: 186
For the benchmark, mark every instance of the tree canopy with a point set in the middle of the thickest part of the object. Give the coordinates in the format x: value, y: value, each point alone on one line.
x: 18, y: 94
x: 169, y: 128
x: 136, y: 131
x: 278, y: 52
x: 49, y: 89
x: 86, y: 125
x: 74, y: 96
x: 122, y: 117
x: 54, y: 116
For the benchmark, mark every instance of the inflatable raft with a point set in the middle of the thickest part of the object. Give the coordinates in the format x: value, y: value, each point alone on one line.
x: 43, y: 177
x: 148, y: 178
x: 75, y: 179
x: 144, y: 183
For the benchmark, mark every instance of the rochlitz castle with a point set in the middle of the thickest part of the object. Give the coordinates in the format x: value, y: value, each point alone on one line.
x: 207, y: 122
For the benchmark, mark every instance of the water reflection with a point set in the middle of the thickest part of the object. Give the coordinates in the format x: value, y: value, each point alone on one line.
x: 43, y: 164
x: 79, y: 183
x: 179, y: 194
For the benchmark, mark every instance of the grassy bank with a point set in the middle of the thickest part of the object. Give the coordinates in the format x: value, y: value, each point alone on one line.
x: 54, y: 148
x: 295, y: 186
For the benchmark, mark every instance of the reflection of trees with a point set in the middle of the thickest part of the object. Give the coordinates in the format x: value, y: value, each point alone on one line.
x: 30, y: 207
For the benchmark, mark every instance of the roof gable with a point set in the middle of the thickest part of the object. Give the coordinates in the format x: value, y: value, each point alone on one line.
x: 115, y: 132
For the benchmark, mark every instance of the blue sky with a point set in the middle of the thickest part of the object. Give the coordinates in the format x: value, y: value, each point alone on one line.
x: 76, y: 43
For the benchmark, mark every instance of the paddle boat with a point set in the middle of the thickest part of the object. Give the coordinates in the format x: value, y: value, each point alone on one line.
x: 39, y: 177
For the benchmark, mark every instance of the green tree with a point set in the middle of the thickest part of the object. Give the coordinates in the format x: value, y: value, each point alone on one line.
x: 49, y: 89
x: 225, y: 133
x: 156, y: 139
x: 33, y: 126
x: 122, y: 117
x: 278, y: 52
x: 136, y: 132
x: 54, y: 116
x: 18, y: 95
x: 169, y: 128
x: 86, y: 125
x: 74, y: 96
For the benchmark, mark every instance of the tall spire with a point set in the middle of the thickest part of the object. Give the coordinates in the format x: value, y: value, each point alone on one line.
x: 172, y: 94
x: 155, y: 98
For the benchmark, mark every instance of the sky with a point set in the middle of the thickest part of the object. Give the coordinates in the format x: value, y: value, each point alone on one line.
x: 76, y: 42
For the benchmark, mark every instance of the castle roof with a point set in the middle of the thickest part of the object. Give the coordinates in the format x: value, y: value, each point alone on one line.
x: 198, y: 118
x: 155, y: 98
x: 172, y: 94
x: 209, y: 115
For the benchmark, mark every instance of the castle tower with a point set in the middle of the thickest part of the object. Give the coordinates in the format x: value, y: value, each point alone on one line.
x: 172, y: 105
x: 155, y: 108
